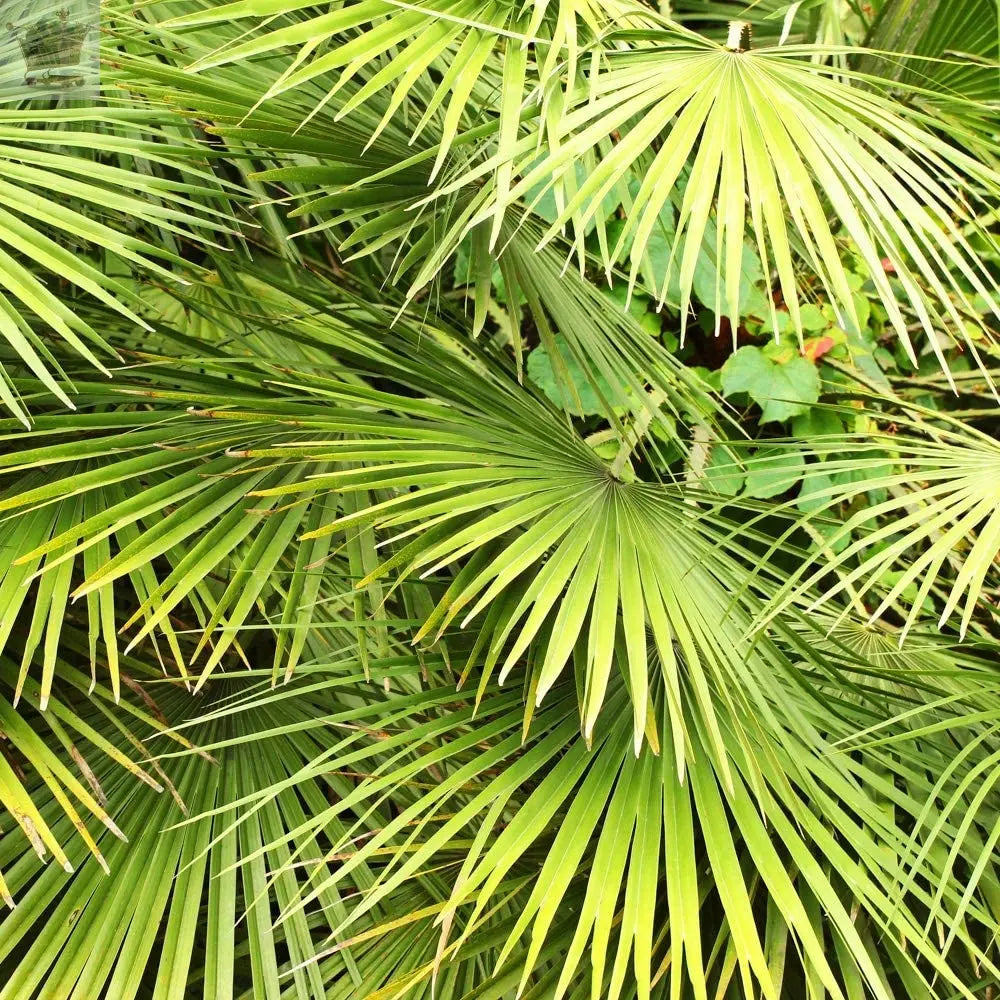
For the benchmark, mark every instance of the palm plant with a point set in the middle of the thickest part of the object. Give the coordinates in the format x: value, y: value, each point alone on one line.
x: 503, y: 500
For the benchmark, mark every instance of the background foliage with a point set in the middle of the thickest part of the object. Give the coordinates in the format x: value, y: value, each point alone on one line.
x: 502, y: 500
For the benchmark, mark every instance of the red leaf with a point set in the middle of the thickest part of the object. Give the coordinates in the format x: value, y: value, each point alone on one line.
x: 816, y: 347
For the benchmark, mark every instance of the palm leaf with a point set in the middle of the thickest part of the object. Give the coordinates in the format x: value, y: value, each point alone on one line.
x: 783, y: 140
x: 76, y: 202
x: 579, y: 833
x: 943, y: 510
x: 145, y: 921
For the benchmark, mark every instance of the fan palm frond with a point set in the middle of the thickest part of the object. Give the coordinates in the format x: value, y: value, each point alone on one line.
x: 53, y: 199
x: 942, y: 510
x: 769, y: 137
x: 592, y: 841
x: 146, y: 920
x: 56, y: 764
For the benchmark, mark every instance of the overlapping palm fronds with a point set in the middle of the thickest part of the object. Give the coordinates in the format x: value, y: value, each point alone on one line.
x: 63, y: 198
x: 422, y: 608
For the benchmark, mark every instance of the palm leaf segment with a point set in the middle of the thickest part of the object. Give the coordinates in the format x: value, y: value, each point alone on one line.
x: 939, y: 524
x: 856, y: 863
x: 106, y: 928
x: 772, y: 147
x: 52, y: 197
x: 514, y: 809
x: 768, y: 138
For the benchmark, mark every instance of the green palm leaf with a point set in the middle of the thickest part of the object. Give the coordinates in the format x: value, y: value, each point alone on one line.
x: 597, y: 834
x: 783, y: 140
x: 943, y: 509
x: 456, y: 591
x: 51, y: 197
x: 208, y: 883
